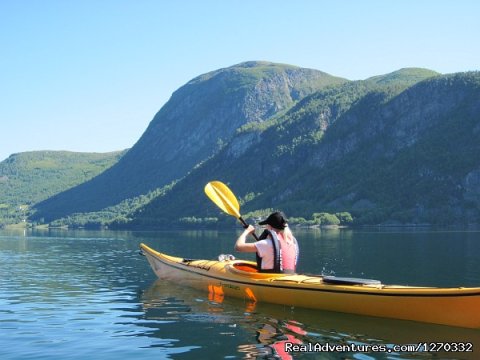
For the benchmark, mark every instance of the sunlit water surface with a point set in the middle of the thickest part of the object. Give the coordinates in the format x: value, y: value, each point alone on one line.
x: 79, y: 295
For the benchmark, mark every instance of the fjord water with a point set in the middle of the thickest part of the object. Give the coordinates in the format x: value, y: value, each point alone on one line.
x: 86, y: 294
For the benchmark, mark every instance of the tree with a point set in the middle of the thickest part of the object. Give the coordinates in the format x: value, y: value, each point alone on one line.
x: 324, y: 218
x: 345, y: 218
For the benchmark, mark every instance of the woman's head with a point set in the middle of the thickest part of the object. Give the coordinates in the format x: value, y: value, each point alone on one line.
x: 277, y: 220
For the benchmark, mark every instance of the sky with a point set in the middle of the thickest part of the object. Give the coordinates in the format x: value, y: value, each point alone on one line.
x: 90, y: 75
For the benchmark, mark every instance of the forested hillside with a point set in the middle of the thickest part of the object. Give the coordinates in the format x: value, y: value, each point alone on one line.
x: 29, y: 177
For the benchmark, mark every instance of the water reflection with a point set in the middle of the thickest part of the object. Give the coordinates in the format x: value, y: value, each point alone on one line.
x: 274, y: 338
x: 261, y: 331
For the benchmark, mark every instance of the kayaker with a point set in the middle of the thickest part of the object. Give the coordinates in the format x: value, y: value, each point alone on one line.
x: 277, y: 249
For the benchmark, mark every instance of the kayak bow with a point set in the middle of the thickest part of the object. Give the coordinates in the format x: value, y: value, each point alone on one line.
x: 447, y: 306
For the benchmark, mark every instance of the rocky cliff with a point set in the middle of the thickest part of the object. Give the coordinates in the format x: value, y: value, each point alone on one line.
x: 192, y: 126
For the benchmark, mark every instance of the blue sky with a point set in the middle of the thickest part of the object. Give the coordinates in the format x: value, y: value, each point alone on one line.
x: 89, y: 75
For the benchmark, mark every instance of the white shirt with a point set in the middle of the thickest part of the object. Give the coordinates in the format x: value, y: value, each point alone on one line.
x: 265, y: 251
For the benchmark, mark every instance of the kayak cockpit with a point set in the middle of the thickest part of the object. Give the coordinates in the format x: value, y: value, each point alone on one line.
x: 249, y: 269
x: 245, y: 267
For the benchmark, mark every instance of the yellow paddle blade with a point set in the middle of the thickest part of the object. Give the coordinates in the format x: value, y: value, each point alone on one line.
x: 223, y: 197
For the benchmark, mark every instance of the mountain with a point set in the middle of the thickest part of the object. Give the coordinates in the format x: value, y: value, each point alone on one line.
x: 399, y: 148
x: 29, y: 177
x: 191, y: 127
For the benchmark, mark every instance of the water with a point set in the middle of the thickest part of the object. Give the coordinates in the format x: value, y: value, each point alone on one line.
x: 75, y: 295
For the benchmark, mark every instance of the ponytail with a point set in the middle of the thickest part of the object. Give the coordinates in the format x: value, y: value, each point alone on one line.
x: 287, y: 234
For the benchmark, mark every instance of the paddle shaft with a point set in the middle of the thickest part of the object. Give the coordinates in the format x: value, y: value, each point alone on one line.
x: 245, y: 225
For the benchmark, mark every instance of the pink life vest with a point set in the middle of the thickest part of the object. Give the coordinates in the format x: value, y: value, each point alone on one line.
x: 289, y: 253
x: 285, y: 254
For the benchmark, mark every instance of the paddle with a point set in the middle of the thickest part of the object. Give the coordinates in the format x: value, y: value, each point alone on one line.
x: 224, y: 198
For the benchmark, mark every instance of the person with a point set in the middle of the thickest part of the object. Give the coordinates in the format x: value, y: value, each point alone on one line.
x: 277, y: 249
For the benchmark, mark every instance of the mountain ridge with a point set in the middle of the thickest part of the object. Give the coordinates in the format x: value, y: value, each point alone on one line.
x: 394, y: 148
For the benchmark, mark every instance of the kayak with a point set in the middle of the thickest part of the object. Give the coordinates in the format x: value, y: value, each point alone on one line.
x: 239, y: 278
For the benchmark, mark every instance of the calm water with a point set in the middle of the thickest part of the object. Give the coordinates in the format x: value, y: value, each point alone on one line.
x: 74, y: 295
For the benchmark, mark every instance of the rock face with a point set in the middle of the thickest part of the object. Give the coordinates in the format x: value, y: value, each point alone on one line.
x: 208, y: 110
x: 191, y: 127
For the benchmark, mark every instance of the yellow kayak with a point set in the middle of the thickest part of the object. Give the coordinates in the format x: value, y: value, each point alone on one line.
x: 239, y: 278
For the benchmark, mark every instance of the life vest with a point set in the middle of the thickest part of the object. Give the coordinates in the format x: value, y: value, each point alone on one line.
x: 277, y: 254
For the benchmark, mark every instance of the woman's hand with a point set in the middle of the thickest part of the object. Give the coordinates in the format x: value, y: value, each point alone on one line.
x: 242, y: 245
x: 250, y: 229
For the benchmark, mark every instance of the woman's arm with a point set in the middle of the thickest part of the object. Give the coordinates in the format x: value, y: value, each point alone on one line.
x: 241, y: 244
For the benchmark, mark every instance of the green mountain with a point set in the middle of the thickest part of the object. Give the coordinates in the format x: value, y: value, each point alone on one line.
x: 197, y: 121
x: 29, y: 177
x: 397, y: 148
x: 400, y: 148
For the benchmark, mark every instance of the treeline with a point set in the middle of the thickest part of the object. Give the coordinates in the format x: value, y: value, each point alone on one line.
x: 10, y: 214
x: 120, y: 216
x: 317, y: 219
x: 117, y: 216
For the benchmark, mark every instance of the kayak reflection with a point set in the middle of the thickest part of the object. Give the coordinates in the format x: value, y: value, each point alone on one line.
x: 276, y: 335
x: 260, y: 330
x: 272, y: 336
x: 171, y: 303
